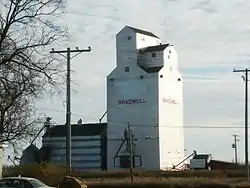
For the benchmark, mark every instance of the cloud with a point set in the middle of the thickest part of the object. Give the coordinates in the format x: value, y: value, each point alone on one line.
x: 211, y: 37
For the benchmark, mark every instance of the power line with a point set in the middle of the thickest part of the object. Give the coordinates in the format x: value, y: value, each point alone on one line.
x: 185, y: 76
x: 148, y: 126
x: 60, y: 111
x: 176, y: 126
x: 68, y: 51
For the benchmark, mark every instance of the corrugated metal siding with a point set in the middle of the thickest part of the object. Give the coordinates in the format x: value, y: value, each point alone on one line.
x: 88, y: 146
x: 146, y: 60
x: 104, y: 151
x: 86, y: 151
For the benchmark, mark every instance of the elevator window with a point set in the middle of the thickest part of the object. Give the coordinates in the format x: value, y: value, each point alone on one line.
x: 127, y: 69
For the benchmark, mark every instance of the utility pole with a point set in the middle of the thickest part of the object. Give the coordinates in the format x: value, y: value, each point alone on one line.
x: 131, y: 154
x: 68, y: 97
x: 245, y: 79
x: 234, y: 146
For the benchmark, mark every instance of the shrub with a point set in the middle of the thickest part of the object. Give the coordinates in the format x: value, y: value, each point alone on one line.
x: 48, y: 173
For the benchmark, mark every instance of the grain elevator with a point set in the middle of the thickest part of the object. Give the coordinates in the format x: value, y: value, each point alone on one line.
x: 145, y: 92
x: 145, y: 96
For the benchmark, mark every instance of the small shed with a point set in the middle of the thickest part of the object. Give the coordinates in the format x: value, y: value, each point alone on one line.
x: 200, y: 161
x: 30, y: 155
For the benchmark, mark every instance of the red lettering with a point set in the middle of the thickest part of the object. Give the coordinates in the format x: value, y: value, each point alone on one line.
x: 170, y: 101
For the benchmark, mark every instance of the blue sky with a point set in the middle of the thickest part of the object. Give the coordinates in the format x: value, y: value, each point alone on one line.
x: 211, y: 37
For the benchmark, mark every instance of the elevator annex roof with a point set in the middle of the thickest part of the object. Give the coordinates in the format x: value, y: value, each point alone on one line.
x: 90, y: 129
x: 157, y: 48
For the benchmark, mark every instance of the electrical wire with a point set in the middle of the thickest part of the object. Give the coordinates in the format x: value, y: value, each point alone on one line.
x: 150, y: 126
x: 187, y: 77
x: 59, y: 111
x: 143, y: 58
x: 178, y: 126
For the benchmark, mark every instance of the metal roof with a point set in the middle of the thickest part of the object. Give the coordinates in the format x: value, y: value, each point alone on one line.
x: 160, y: 47
x: 31, y: 147
x: 201, y: 156
x: 90, y: 129
x: 143, y: 32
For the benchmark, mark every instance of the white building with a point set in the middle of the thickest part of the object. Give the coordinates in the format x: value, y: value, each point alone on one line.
x: 145, y: 90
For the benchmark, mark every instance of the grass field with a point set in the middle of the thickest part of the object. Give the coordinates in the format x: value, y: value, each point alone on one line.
x: 52, y: 175
x: 171, y: 182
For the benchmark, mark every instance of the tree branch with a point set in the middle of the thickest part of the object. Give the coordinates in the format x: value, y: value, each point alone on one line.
x: 27, y: 71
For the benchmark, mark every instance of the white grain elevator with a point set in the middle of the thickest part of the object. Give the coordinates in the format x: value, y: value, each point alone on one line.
x: 145, y: 90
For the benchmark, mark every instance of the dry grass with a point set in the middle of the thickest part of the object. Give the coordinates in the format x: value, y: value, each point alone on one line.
x: 50, y: 174
x: 53, y: 174
x: 170, y: 182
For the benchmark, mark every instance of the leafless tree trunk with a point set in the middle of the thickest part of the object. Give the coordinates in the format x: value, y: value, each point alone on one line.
x: 27, y: 30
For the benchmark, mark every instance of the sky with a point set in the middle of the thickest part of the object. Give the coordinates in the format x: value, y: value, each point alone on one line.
x: 211, y: 38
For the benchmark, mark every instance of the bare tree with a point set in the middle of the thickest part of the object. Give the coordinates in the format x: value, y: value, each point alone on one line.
x: 28, y: 28
x: 18, y: 119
